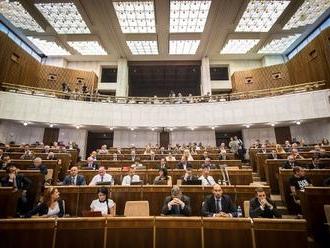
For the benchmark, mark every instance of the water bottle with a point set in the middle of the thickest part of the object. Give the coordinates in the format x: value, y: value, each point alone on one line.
x: 239, y: 212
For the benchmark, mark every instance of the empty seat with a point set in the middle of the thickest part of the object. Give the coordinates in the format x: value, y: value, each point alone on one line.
x: 136, y: 208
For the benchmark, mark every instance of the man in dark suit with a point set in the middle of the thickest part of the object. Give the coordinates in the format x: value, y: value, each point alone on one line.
x: 207, y: 162
x: 218, y: 204
x: 183, y: 164
x: 37, y: 165
x: 262, y: 207
x: 188, y: 176
x: 91, y: 164
x: 177, y: 203
x: 162, y: 164
x: 74, y: 178
x: 290, y: 163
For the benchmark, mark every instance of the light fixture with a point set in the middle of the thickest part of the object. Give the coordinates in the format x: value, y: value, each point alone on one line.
x: 308, y: 13
x: 247, y: 125
x: 136, y: 17
x: 238, y: 46
x: 272, y: 124
x: 183, y: 46
x: 87, y: 47
x: 298, y: 122
x: 152, y: 129
x: 49, y: 48
x: 25, y: 123
x: 261, y: 15
x: 132, y: 129
x: 212, y: 128
x: 188, y: 16
x: 77, y: 126
x: 171, y: 129
x: 111, y: 128
x: 279, y: 46
x: 18, y: 16
x: 143, y: 47
x: 192, y: 128
x: 51, y: 125
x: 64, y: 17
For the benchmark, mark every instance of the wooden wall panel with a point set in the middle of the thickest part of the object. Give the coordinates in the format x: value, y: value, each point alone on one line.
x: 262, y: 78
x: 24, y: 71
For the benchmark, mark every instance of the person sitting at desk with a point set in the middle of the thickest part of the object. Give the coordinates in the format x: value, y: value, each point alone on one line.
x: 50, y: 206
x: 296, y: 154
x: 207, y: 162
x: 183, y: 164
x: 262, y: 207
x: 37, y: 165
x: 205, y: 177
x: 137, y: 162
x: 218, y: 204
x: 177, y: 203
x: 170, y: 157
x: 188, y: 176
x: 103, y: 204
x: 101, y: 177
x: 103, y: 150
x: 163, y: 177
x: 162, y: 164
x: 74, y: 178
x: 91, y: 164
x: 28, y: 154
x: 187, y: 155
x: 51, y: 156
x: 131, y: 177
x: 222, y: 152
x: 290, y: 163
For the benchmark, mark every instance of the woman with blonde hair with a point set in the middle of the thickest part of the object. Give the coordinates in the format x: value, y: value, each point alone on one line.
x: 187, y: 155
x: 279, y: 149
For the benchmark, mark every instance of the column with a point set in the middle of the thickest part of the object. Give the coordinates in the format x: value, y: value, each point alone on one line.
x: 122, y: 78
x: 205, y: 77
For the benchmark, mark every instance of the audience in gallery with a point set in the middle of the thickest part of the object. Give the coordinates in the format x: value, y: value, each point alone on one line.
x: 176, y: 204
x: 132, y: 177
x: 218, y: 204
x: 263, y: 207
x: 163, y: 178
x: 103, y: 204
x: 50, y: 206
x: 101, y: 178
x: 74, y: 178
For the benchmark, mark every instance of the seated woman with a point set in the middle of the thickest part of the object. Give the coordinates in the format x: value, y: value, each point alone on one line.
x: 163, y: 177
x: 50, y: 206
x: 187, y: 155
x: 103, y: 204
x: 222, y: 152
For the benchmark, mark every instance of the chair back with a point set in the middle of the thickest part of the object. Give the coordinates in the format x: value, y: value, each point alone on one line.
x: 137, y: 208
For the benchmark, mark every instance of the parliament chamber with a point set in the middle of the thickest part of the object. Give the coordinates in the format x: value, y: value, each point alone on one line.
x: 164, y: 123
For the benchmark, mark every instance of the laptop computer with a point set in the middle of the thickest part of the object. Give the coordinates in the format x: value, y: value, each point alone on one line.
x: 88, y: 213
x: 104, y: 183
x: 192, y: 182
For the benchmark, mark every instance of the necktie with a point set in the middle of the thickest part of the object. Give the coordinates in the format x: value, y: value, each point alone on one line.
x: 131, y: 179
x: 208, y: 181
x: 176, y: 209
x: 101, y: 179
x: 72, y: 180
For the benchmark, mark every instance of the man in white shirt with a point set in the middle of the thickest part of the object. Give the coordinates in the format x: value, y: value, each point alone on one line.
x: 131, y: 177
x: 170, y: 157
x: 101, y: 177
x: 205, y: 177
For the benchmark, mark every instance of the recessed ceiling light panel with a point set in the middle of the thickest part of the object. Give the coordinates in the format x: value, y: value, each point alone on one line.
x: 279, y: 46
x: 49, y: 48
x: 143, y: 47
x: 87, y: 47
x: 183, y: 46
x: 239, y: 46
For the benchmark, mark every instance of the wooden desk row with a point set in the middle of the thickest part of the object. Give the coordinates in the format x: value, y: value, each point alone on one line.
x: 237, y: 176
x: 153, y: 232
x: 78, y: 198
x: 152, y: 164
x: 272, y: 167
x: 229, y: 156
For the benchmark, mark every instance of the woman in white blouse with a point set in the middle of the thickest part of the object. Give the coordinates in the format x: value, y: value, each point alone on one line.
x: 103, y: 204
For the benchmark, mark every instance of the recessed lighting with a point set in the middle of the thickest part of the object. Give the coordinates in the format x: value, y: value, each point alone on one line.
x: 308, y: 13
x: 247, y: 125
x: 25, y: 123
x: 18, y: 16
x: 188, y: 16
x: 298, y: 122
x: 77, y: 126
x: 272, y: 124
x: 152, y: 129
x: 212, y: 128
x: 192, y: 128
x: 136, y: 17
x: 111, y: 128
x: 171, y: 129
x: 279, y: 45
x: 261, y: 15
x: 239, y: 46
x: 51, y: 125
x: 88, y: 47
x: 132, y: 128
x: 49, y: 48
x: 183, y: 46
x: 143, y: 47
x: 64, y: 17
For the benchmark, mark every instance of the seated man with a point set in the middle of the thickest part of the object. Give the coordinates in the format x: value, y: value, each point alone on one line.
x: 101, y: 177
x: 298, y: 182
x: 131, y: 177
x: 207, y: 162
x: 316, y: 164
x: 262, y: 207
x: 91, y: 164
x: 28, y: 154
x: 103, y: 150
x: 290, y: 163
x: 137, y: 162
x: 183, y: 164
x: 188, y: 176
x: 296, y: 154
x: 162, y: 164
x: 218, y: 204
x: 176, y: 203
x: 205, y: 177
x: 205, y: 155
x: 170, y: 157
x: 74, y: 178
x: 37, y: 165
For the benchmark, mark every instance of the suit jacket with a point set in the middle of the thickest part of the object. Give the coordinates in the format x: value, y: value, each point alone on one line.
x: 257, y: 212
x: 193, y: 177
x: 185, y: 211
x: 42, y: 209
x: 227, y: 206
x: 212, y: 166
x: 288, y: 166
x: 42, y: 168
x: 180, y: 165
x: 79, y: 181
x: 158, y: 166
x: 95, y: 166
x: 22, y: 182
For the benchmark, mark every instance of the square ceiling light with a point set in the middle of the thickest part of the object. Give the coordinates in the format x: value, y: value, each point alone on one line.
x: 136, y: 17
x: 87, y: 47
x: 188, y: 16
x: 308, y: 13
x: 18, y: 16
x: 183, y: 46
x: 143, y: 47
x: 236, y: 46
x: 64, y: 17
x: 49, y: 48
x: 279, y: 46
x: 260, y: 15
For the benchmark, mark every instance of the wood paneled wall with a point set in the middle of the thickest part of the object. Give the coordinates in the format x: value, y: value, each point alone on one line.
x: 261, y: 78
x: 312, y: 63
x: 19, y: 67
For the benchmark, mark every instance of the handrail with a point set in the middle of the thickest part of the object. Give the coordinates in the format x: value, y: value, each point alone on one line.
x: 29, y: 90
